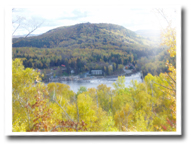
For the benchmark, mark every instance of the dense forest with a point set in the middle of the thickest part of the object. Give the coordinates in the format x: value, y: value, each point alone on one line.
x: 148, y: 106
x: 86, y: 59
x: 84, y: 47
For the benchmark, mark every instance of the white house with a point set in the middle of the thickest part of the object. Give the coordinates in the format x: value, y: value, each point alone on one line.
x: 96, y: 72
x: 72, y: 71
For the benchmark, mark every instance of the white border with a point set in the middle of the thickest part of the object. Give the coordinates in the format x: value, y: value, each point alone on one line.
x: 8, y: 71
x: 8, y: 89
x: 178, y: 74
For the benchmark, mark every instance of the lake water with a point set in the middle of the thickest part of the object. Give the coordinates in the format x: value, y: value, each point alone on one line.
x: 74, y: 85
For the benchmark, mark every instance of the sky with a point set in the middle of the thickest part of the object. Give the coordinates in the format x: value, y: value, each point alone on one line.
x: 52, y: 17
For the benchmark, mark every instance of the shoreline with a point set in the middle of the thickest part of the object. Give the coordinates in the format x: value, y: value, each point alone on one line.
x: 86, y: 79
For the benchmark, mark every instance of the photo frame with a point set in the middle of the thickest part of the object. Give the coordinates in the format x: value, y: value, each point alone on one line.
x: 8, y: 90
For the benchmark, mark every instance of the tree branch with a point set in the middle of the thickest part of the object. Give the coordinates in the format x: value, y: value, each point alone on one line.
x: 29, y: 33
x: 167, y: 82
x: 165, y: 87
x: 15, y: 29
x: 160, y: 11
x: 171, y: 78
x: 63, y: 110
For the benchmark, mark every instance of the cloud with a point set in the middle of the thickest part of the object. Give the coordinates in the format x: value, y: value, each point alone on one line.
x: 131, y: 18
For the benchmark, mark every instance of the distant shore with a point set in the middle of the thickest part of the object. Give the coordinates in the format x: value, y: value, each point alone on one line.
x: 86, y: 79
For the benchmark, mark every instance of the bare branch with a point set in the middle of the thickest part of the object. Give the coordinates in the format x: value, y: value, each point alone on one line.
x: 161, y: 12
x: 165, y: 87
x: 15, y: 29
x: 172, y: 78
x: 167, y: 82
x: 63, y: 110
x: 29, y: 33
x: 166, y: 92
x: 29, y: 24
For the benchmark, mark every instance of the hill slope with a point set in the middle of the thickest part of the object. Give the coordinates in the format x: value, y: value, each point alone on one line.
x: 85, y: 35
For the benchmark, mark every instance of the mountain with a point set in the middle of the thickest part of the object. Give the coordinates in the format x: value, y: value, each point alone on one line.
x: 86, y: 35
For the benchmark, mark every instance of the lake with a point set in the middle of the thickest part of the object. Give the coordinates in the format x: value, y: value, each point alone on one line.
x: 74, y: 85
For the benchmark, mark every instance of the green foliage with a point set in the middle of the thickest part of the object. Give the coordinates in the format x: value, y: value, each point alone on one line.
x: 81, y: 90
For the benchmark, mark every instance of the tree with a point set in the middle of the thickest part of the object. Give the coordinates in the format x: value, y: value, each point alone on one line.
x: 20, y: 22
x: 81, y: 90
x: 27, y: 100
x: 120, y: 83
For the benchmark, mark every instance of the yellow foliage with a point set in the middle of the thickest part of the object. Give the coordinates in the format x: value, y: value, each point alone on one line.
x: 169, y: 39
x: 147, y: 106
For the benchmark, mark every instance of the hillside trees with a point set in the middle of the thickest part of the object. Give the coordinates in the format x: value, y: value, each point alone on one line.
x: 86, y: 59
x: 39, y: 108
x: 79, y: 60
x: 27, y: 100
x: 147, y: 106
x: 97, y: 41
x: 151, y: 106
x: 80, y: 36
x: 32, y: 109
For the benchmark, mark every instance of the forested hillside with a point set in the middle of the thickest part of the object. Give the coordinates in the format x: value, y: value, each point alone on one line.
x: 148, y: 106
x: 87, y: 46
x: 86, y: 35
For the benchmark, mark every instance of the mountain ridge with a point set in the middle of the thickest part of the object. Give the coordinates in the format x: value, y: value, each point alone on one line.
x: 85, y: 35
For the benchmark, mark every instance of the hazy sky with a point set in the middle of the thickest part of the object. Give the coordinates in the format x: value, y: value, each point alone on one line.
x: 52, y: 17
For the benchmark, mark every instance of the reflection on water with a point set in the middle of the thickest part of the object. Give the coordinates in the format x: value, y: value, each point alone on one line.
x: 95, y: 82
